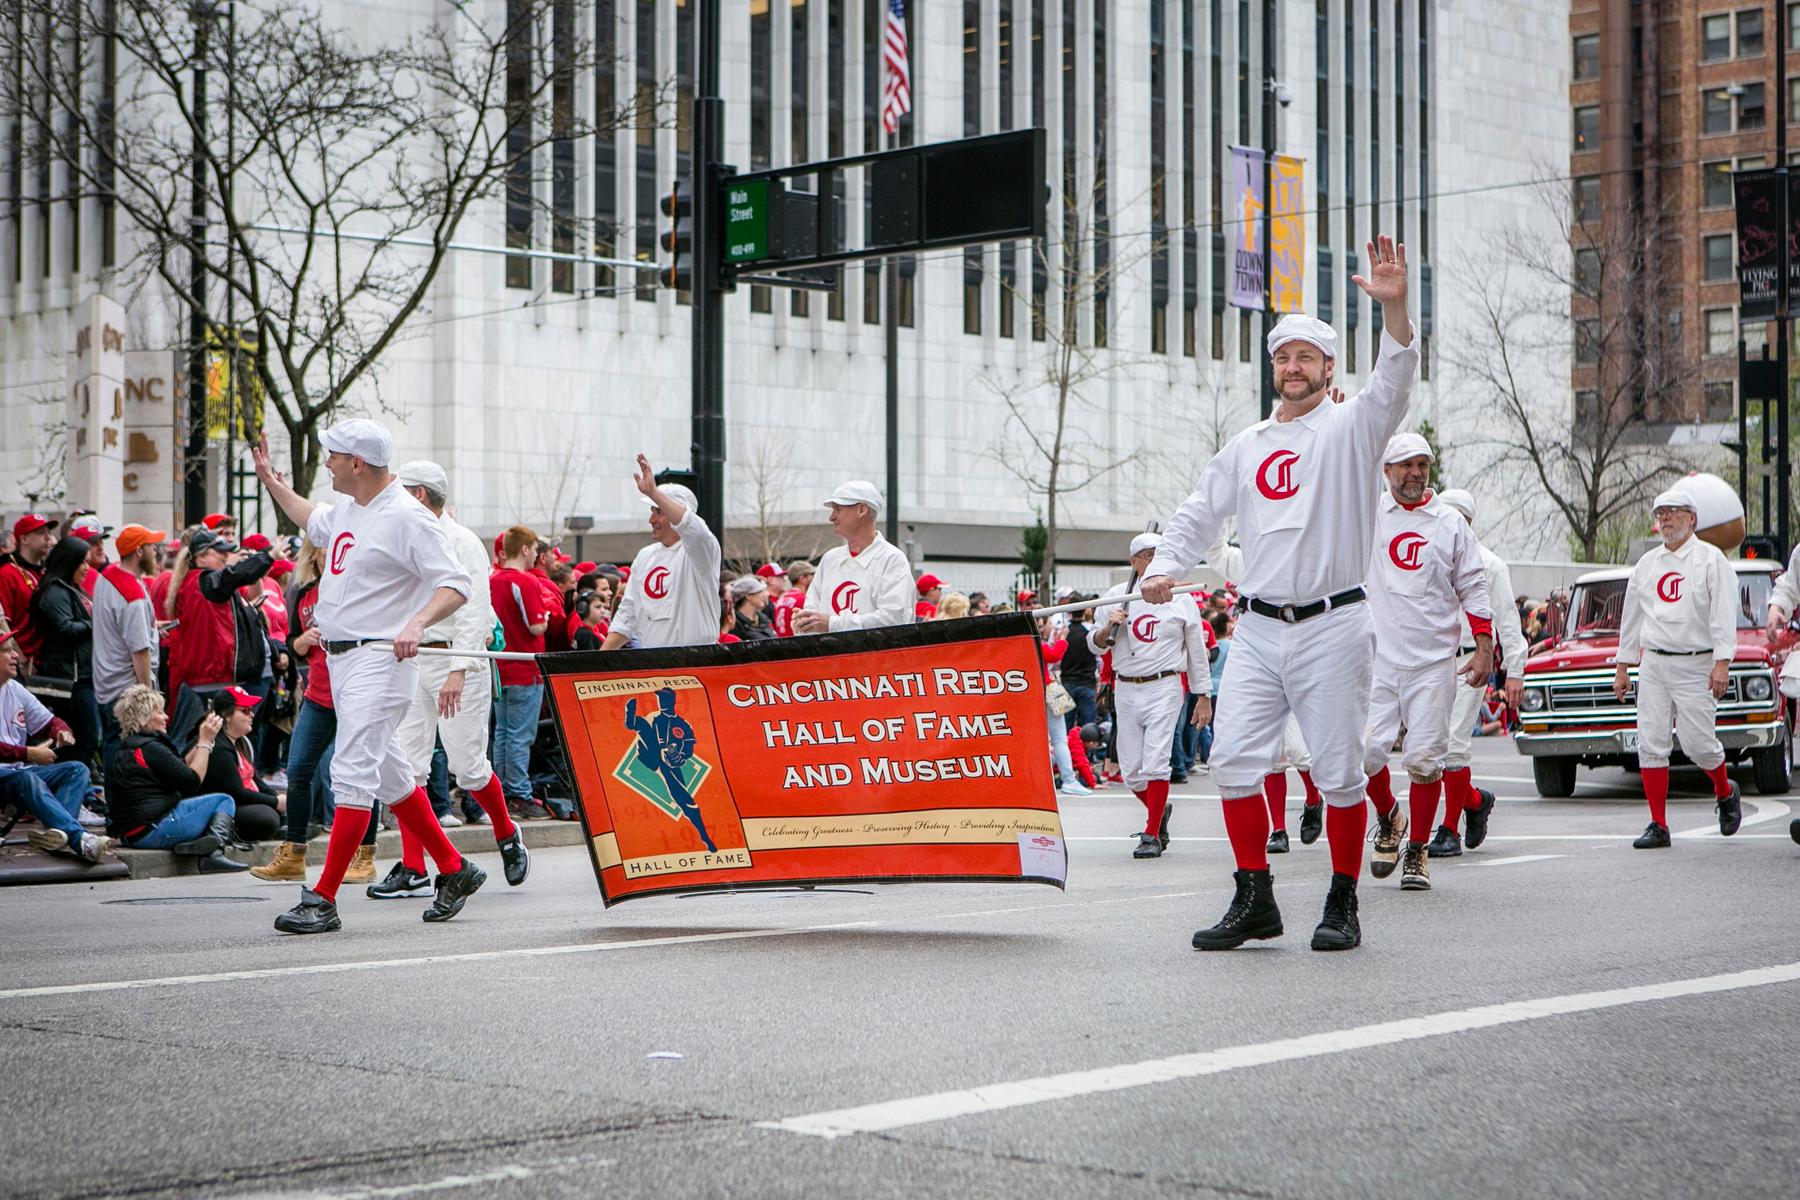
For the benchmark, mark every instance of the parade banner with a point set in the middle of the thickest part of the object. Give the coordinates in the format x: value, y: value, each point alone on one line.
x: 918, y: 752
x: 1761, y: 239
x: 1250, y: 200
x: 1287, y: 235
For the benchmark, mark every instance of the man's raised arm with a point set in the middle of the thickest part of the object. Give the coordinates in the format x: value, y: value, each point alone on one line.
x: 298, y: 508
x: 1194, y: 528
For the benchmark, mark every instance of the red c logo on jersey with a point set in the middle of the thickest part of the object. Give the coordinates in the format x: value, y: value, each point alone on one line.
x: 1144, y: 628
x: 843, y: 597
x: 1405, y: 550
x: 1668, y: 588
x: 656, y: 583
x: 1275, y: 478
x: 341, y: 546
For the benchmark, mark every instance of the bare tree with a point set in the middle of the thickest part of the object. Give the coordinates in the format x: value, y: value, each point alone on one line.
x: 1598, y: 464
x: 334, y: 168
x: 767, y: 475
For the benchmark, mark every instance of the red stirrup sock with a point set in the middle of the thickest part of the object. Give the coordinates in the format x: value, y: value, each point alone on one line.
x: 1313, y: 795
x: 1656, y: 792
x: 1345, y: 828
x: 493, y: 803
x: 1275, y: 793
x: 1422, y: 803
x: 1156, y: 796
x: 412, y: 854
x: 1459, y: 793
x: 1381, y: 792
x: 415, y: 816
x: 1721, y: 782
x: 1247, y: 825
x: 347, y: 829
x: 1143, y: 797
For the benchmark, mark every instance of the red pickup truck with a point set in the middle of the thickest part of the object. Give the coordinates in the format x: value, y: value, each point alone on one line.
x: 1569, y: 716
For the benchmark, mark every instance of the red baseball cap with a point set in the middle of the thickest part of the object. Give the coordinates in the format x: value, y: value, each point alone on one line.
x: 89, y: 528
x: 770, y: 571
x: 927, y: 582
x: 582, y: 568
x: 31, y: 523
x: 214, y: 520
x: 1026, y: 596
x: 282, y: 566
x: 561, y: 557
x: 499, y: 545
x: 256, y: 541
x: 241, y: 698
x: 624, y: 572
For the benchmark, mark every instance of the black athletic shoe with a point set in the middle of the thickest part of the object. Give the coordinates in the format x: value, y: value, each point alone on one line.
x: 1731, y: 811
x: 1654, y: 837
x: 1149, y: 846
x: 1252, y: 915
x: 1794, y: 829
x: 1475, y: 831
x: 454, y: 890
x: 1162, y: 832
x: 1338, y: 928
x: 1312, y: 823
x: 400, y: 884
x: 516, y: 858
x: 1445, y: 844
x: 1278, y: 842
x: 314, y: 914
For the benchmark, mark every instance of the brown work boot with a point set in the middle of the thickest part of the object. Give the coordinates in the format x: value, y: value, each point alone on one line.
x: 288, y: 865
x: 362, y: 867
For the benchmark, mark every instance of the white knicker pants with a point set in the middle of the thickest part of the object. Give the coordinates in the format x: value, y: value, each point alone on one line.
x: 1317, y: 670
x: 464, y: 735
x: 1147, y: 714
x: 1464, y: 708
x: 370, y: 692
x: 1293, y: 753
x: 1672, y: 694
x: 1416, y: 699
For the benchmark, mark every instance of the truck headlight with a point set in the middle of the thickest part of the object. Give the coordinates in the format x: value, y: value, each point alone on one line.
x: 1758, y: 687
x: 1533, y: 701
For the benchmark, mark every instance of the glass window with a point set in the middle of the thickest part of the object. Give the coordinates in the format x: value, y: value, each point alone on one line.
x: 1715, y: 183
x: 1587, y: 198
x: 1715, y: 37
x: 1793, y: 96
x: 1751, y: 107
x: 1716, y: 250
x: 1587, y: 272
x: 1587, y: 127
x: 1750, y: 31
x: 1715, y: 111
x: 1721, y: 403
x: 1587, y: 342
x: 1793, y: 18
x: 1587, y: 408
x: 1587, y: 56
x: 519, y: 52
x: 1721, y: 331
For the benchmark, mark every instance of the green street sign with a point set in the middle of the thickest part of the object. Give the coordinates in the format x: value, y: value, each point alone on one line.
x: 746, y: 220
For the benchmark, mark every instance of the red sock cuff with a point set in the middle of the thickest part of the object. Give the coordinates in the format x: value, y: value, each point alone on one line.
x: 415, y: 815
x: 412, y: 853
x: 493, y: 803
x: 1275, y: 792
x: 1381, y: 791
x: 1422, y: 803
x: 1247, y: 826
x: 1656, y: 793
x: 347, y: 829
x: 1313, y: 795
x: 1721, y: 782
x: 1345, y: 828
x: 1156, y: 799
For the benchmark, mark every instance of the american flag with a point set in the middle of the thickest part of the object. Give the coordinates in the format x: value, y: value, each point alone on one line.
x: 896, y: 89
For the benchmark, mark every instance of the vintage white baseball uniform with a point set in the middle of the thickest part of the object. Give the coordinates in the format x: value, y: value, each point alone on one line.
x: 1509, y: 635
x: 1304, y: 496
x: 672, y: 598
x: 1679, y: 618
x: 1157, y: 643
x: 383, y: 562
x: 863, y: 591
x: 1425, y: 574
x: 468, y: 629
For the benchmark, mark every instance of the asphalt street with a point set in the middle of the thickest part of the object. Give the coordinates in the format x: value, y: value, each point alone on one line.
x: 1561, y: 1015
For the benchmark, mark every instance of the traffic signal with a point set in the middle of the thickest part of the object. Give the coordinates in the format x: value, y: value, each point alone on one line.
x: 678, y: 272
x: 1761, y: 546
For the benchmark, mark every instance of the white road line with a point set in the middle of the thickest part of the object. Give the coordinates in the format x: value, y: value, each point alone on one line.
x: 511, y: 1172
x: 1517, y: 858
x: 1763, y: 810
x: 940, y: 1106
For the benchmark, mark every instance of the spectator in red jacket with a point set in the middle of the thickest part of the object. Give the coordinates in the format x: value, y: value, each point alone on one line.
x: 20, y: 572
x: 223, y: 638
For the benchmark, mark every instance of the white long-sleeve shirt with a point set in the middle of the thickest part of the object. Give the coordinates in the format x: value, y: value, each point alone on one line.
x: 1425, y: 574
x: 1785, y: 597
x: 863, y: 591
x: 470, y: 627
x: 1157, y: 638
x: 672, y: 598
x: 383, y: 561
x: 1508, y: 633
x: 1683, y: 600
x: 1303, y: 492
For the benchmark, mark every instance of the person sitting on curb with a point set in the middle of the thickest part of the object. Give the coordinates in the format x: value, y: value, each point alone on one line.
x: 31, y: 777
x: 231, y: 767
x: 155, y: 798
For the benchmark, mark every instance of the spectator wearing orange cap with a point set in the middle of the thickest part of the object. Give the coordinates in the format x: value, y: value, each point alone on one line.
x: 20, y: 573
x: 124, y: 626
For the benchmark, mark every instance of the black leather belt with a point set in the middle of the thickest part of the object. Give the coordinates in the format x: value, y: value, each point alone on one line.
x: 434, y: 645
x: 346, y: 647
x: 1145, y: 678
x: 1676, y: 653
x: 1293, y: 614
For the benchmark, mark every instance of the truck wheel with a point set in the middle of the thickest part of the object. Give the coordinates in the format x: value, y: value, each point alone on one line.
x: 1772, y: 776
x: 1555, y: 777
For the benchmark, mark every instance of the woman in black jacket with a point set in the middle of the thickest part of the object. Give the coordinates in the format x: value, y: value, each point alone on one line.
x: 155, y: 800
x: 231, y: 766
x: 64, y: 617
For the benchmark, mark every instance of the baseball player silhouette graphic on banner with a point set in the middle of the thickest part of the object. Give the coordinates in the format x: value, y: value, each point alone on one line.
x: 665, y: 743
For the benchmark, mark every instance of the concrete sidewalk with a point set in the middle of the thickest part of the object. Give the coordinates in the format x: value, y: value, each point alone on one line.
x: 469, y: 839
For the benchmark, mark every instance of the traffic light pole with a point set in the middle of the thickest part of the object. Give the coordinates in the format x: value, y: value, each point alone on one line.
x: 708, y: 369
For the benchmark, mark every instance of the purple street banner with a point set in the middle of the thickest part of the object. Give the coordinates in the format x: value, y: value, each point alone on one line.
x: 1250, y: 200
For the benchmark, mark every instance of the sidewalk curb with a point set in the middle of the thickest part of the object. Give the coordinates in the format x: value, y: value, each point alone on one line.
x: 468, y: 839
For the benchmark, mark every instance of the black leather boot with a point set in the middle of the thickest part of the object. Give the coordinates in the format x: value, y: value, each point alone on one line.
x: 1252, y: 914
x: 1339, y: 929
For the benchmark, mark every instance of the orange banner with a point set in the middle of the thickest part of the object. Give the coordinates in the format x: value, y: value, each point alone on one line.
x: 913, y: 753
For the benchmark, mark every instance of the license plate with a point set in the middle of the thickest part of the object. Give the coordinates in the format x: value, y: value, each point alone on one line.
x: 1628, y: 742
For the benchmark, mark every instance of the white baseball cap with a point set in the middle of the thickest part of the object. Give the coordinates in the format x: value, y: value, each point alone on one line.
x: 422, y: 472
x: 1297, y: 328
x: 1674, y: 498
x: 1460, y: 500
x: 1145, y: 541
x: 680, y: 493
x: 1403, y: 446
x: 856, y: 491
x: 360, y: 438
